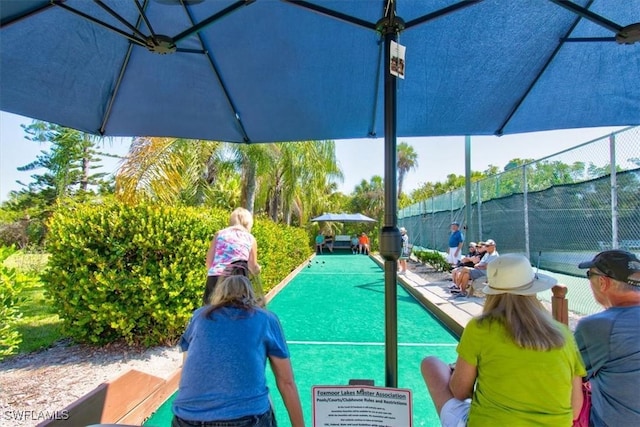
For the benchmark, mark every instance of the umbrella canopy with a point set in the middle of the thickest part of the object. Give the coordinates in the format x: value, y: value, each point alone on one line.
x: 263, y: 71
x: 266, y: 70
x: 343, y: 217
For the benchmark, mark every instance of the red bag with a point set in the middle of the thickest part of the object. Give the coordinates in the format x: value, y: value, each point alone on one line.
x: 585, y: 411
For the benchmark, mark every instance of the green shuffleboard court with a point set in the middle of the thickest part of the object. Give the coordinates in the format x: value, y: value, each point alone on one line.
x: 332, y: 313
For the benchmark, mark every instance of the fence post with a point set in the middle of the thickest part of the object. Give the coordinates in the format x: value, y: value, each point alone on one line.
x: 525, y: 199
x: 467, y: 187
x: 559, y: 304
x: 479, y: 211
x: 614, y: 193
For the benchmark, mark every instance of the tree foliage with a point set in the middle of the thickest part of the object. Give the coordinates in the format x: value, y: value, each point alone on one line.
x: 407, y: 160
x: 67, y: 165
x: 65, y: 168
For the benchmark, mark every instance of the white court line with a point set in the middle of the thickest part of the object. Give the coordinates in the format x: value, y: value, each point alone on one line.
x: 372, y: 343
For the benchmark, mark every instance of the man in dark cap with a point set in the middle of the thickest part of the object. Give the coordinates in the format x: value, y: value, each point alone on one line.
x: 609, y: 341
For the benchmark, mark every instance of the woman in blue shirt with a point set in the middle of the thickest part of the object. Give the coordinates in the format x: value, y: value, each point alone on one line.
x: 223, y: 379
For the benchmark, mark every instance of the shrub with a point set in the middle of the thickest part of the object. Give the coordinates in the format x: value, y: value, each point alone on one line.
x: 136, y: 273
x: 433, y: 258
x: 11, y: 284
x: 280, y: 250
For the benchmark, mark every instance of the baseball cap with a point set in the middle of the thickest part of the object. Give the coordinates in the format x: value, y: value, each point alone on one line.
x: 617, y: 264
x: 490, y: 242
x: 455, y: 223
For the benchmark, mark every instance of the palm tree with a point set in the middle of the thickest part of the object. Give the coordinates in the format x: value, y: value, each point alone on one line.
x: 292, y: 179
x: 368, y: 197
x: 251, y: 160
x: 170, y: 170
x: 407, y: 160
x: 299, y: 179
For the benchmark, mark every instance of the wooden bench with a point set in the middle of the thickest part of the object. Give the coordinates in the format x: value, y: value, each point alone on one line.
x: 342, y: 241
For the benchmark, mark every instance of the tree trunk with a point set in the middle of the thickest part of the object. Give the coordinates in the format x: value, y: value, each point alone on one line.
x: 84, y: 179
x: 249, y: 185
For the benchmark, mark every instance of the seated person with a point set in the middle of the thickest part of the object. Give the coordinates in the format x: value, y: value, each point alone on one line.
x: 609, y: 340
x: 471, y: 258
x: 355, y: 247
x: 494, y: 382
x: 319, y: 242
x: 363, y: 243
x: 476, y: 252
x: 468, y: 274
x: 328, y: 242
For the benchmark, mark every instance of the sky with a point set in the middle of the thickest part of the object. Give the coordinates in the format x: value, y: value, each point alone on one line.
x: 358, y: 158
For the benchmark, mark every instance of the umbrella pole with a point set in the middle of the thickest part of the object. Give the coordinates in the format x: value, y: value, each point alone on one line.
x: 390, y: 246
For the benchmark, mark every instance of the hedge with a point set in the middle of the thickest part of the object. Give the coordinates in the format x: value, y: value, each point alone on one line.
x: 136, y: 273
x: 11, y: 284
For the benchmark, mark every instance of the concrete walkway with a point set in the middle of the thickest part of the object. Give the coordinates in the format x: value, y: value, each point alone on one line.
x: 430, y: 288
x: 453, y: 312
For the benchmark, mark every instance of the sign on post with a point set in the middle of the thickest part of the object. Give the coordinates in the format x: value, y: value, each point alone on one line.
x: 360, y: 406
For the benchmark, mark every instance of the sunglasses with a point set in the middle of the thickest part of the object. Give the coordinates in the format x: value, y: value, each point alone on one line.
x: 591, y: 274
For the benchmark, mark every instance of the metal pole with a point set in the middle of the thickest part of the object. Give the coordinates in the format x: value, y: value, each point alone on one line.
x: 433, y: 222
x: 614, y: 193
x: 390, y: 240
x: 467, y: 187
x: 525, y: 194
x: 479, y: 211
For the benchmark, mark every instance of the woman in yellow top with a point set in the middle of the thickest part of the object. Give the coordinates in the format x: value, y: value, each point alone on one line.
x: 516, y: 366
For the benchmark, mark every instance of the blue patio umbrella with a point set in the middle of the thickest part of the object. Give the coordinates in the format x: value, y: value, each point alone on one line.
x: 264, y: 71
x: 343, y: 217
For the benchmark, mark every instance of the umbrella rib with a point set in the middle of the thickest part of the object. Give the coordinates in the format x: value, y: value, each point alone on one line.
x: 212, y: 63
x: 210, y: 20
x: 589, y: 39
x: 121, y: 19
x: 372, y: 129
x: 116, y: 89
x: 587, y: 14
x: 185, y: 50
x: 146, y: 20
x: 333, y: 14
x: 102, y: 24
x: 442, y: 12
x: 526, y: 93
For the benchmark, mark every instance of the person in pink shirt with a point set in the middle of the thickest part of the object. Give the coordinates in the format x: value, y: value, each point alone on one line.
x: 233, y: 250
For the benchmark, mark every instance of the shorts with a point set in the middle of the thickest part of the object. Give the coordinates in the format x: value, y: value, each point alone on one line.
x: 474, y: 273
x: 451, y: 256
x: 455, y: 413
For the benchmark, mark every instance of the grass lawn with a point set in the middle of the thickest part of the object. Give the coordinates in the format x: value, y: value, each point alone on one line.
x: 39, y: 327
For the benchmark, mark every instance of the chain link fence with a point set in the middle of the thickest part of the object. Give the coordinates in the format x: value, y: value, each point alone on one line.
x: 558, y: 211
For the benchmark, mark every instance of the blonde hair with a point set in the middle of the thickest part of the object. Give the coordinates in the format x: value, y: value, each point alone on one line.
x: 233, y: 291
x: 528, y: 322
x: 241, y: 216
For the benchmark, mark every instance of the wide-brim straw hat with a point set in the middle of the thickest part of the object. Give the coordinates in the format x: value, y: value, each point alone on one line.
x: 512, y: 274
